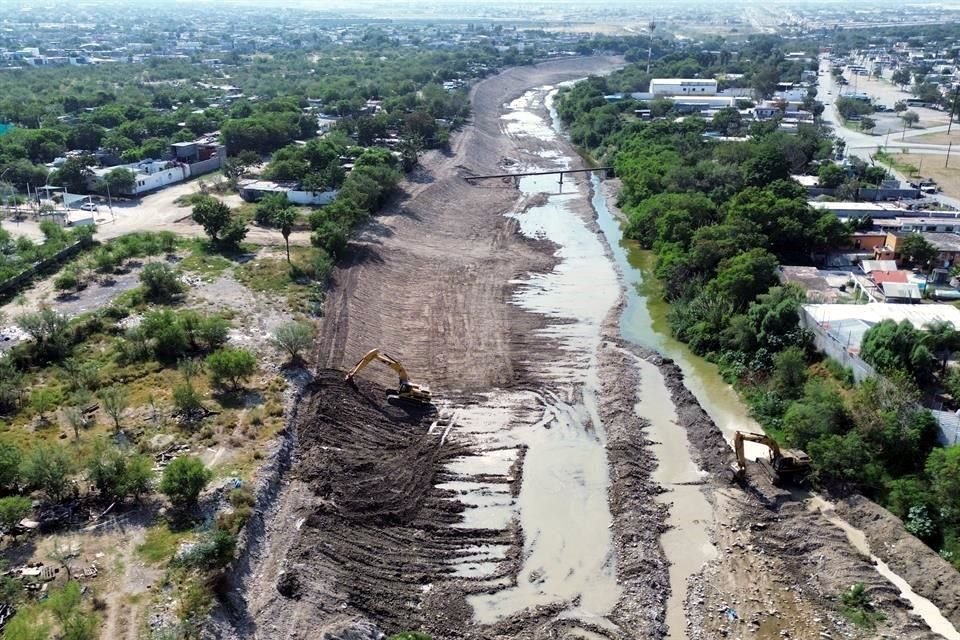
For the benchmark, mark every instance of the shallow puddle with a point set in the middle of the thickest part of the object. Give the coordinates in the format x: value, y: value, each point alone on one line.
x: 687, y: 543
x: 562, y: 504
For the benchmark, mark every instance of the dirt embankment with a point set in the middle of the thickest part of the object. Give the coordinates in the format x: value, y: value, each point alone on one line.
x: 927, y: 573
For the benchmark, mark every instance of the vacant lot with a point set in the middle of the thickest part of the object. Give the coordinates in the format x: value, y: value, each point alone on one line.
x: 939, y: 138
x: 931, y: 166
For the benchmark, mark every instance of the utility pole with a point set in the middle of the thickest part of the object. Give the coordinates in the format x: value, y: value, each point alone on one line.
x: 953, y: 108
x: 949, y: 147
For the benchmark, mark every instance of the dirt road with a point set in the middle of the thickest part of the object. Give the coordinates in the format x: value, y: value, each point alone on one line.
x: 524, y: 504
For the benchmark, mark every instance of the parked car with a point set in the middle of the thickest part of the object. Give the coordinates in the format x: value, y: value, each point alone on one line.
x: 88, y: 206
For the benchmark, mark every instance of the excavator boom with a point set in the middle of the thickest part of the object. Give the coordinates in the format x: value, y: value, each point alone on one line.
x: 407, y: 391
x: 783, y: 464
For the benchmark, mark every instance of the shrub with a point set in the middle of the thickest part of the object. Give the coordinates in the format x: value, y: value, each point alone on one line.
x: 212, y: 332
x: 67, y: 280
x: 13, y: 509
x: 214, y: 550
x: 230, y: 365
x: 48, y: 467
x: 117, y: 474
x: 10, y: 457
x: 171, y: 341
x: 294, y: 338
x: 857, y: 607
x: 160, y: 282
x: 49, y: 332
x: 185, y: 398
x: 183, y: 480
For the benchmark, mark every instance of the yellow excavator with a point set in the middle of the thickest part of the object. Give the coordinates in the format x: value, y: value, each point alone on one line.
x: 407, y: 391
x: 784, y: 465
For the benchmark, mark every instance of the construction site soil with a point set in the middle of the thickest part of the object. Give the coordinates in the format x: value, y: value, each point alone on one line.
x: 377, y: 527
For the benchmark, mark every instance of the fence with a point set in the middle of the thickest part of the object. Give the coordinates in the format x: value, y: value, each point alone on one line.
x: 829, y: 345
x: 24, y: 276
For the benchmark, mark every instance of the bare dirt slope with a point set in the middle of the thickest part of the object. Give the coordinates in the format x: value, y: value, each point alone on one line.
x: 431, y: 277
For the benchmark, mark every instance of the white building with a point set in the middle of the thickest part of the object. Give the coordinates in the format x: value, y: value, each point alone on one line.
x: 683, y: 87
x: 149, y: 175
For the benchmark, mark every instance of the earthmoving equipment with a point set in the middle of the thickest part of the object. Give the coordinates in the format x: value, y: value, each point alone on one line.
x: 407, y: 391
x: 784, y: 465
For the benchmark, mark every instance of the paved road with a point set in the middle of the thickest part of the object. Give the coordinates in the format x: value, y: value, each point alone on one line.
x: 864, y: 145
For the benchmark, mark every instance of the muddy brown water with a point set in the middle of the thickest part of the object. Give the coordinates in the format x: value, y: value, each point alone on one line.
x: 561, y: 504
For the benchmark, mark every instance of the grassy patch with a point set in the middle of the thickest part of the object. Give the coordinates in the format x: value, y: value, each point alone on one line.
x: 272, y: 274
x: 190, y: 199
x: 205, y: 263
x: 858, y: 609
x: 893, y: 161
x: 161, y: 544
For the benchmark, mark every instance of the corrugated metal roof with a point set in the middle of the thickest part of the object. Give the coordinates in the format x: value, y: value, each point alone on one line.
x: 919, y: 315
x: 889, y: 276
x: 878, y: 265
x: 901, y: 290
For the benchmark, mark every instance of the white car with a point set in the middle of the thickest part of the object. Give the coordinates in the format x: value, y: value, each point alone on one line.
x: 88, y: 206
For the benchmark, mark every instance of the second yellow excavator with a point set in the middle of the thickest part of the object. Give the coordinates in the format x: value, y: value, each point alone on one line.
x: 407, y: 391
x: 784, y: 465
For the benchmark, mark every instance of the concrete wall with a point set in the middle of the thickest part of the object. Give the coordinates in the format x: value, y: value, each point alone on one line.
x: 832, y: 348
x: 205, y: 166
x: 311, y: 197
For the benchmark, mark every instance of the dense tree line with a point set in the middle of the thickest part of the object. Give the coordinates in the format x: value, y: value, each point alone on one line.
x: 721, y: 217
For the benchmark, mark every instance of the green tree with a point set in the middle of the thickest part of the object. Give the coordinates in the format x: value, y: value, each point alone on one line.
x: 118, y: 181
x: 868, y: 124
x: 10, y: 458
x: 29, y: 623
x: 901, y: 77
x: 74, y: 174
x: 294, y: 338
x: 831, y: 176
x: 743, y: 277
x: 115, y: 401
x: 943, y: 469
x: 48, y: 468
x: 789, y: 372
x: 183, y: 480
x: 13, y: 509
x: 160, y: 282
x: 116, y: 473
x: 49, y: 331
x: 43, y: 400
x: 910, y: 117
x: 268, y: 207
x: 285, y: 219
x: 916, y: 250
x: 843, y: 459
x: 229, y: 364
x: 218, y: 221
x: 64, y: 603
